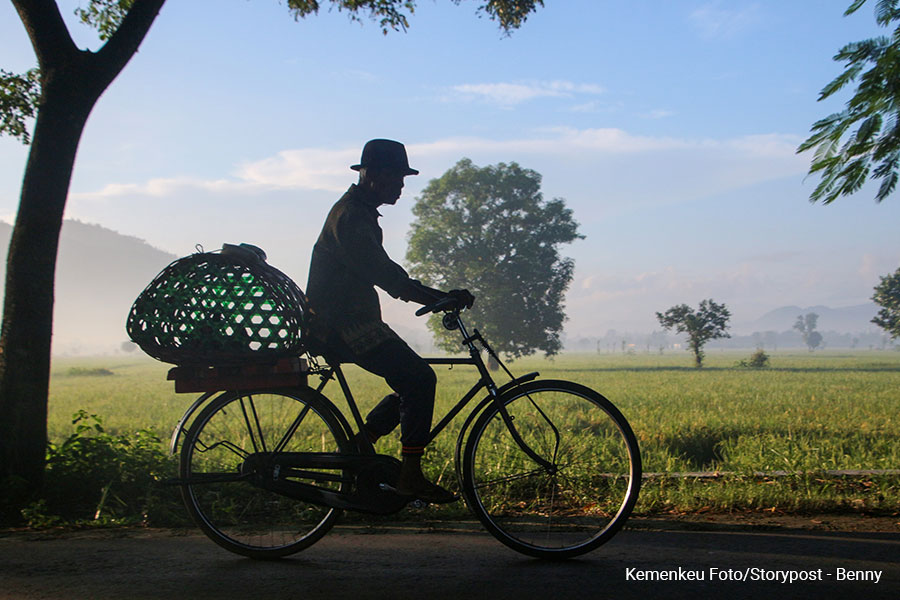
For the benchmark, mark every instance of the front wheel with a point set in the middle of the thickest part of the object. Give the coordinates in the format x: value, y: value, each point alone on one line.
x: 575, y: 503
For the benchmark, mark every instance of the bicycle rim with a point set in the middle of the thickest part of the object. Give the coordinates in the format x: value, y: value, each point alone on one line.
x: 236, y: 513
x: 563, y: 511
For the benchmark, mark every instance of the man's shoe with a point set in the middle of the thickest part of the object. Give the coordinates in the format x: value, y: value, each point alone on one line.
x: 412, y: 483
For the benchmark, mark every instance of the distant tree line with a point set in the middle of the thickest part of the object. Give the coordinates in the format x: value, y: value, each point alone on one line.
x: 636, y: 342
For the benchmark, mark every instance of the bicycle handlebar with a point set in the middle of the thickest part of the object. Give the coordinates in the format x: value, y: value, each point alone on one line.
x: 445, y: 303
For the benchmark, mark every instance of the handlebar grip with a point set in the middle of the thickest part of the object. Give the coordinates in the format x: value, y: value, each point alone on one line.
x: 445, y: 302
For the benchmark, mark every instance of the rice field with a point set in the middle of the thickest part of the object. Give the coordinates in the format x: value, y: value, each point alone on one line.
x: 776, y: 435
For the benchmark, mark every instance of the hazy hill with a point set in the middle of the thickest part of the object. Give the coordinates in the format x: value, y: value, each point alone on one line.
x: 849, y: 319
x: 99, y: 273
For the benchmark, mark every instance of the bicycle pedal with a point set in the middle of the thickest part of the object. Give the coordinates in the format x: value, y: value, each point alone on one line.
x: 416, y: 503
x: 386, y: 487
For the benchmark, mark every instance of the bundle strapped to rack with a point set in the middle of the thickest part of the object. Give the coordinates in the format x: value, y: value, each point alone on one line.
x: 219, y: 308
x: 287, y: 372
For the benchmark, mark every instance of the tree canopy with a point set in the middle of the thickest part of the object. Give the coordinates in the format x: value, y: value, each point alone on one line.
x: 708, y: 322
x: 489, y: 230
x: 887, y: 296
x: 846, y: 159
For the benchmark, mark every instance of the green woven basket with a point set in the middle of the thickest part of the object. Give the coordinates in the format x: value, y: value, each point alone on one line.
x: 219, y: 308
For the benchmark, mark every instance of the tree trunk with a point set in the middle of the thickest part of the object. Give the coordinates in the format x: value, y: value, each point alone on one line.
x: 698, y: 354
x: 72, y: 81
x: 31, y: 267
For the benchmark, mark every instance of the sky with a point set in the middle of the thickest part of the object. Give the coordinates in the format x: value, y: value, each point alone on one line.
x: 669, y: 127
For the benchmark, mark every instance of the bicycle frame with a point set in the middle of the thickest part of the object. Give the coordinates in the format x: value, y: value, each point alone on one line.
x: 485, y: 381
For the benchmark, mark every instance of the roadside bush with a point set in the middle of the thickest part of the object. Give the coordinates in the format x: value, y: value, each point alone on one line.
x: 94, y: 476
x: 758, y: 360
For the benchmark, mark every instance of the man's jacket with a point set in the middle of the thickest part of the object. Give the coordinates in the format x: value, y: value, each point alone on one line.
x: 348, y: 261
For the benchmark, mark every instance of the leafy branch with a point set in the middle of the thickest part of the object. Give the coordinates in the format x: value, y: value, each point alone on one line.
x: 846, y: 159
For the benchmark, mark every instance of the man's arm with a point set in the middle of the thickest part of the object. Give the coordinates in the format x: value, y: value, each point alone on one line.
x: 366, y: 257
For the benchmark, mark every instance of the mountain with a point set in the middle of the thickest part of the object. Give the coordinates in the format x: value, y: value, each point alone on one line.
x: 849, y: 319
x: 99, y: 273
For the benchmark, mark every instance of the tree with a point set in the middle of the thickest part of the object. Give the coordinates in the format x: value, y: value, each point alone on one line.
x: 61, y: 93
x: 887, y: 296
x: 490, y: 230
x: 708, y: 322
x: 845, y: 160
x: 807, y: 328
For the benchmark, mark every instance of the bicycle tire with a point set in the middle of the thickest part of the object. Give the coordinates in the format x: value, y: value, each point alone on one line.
x: 242, y: 517
x: 538, y: 512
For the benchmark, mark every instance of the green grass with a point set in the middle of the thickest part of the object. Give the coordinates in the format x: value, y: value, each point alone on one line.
x: 805, y: 414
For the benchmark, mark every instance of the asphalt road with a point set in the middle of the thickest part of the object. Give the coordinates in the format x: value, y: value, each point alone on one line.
x: 400, y: 564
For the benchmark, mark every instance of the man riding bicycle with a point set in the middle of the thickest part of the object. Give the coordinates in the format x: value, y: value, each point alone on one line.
x: 348, y: 261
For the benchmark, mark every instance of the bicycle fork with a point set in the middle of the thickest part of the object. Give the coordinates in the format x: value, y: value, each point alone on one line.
x: 469, y: 342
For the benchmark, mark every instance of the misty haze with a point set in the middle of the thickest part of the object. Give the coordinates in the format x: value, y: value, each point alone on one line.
x: 101, y: 272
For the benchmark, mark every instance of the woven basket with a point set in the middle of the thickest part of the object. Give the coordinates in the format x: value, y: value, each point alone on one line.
x: 219, y: 308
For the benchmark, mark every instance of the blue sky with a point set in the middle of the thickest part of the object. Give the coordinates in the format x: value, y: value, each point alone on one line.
x: 668, y: 126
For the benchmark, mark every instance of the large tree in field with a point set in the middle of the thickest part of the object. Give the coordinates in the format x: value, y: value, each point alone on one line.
x: 708, y: 322
x: 887, y: 296
x: 846, y: 159
x: 491, y: 231
x: 61, y: 93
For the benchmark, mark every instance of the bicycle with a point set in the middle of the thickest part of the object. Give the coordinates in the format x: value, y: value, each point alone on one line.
x: 550, y: 468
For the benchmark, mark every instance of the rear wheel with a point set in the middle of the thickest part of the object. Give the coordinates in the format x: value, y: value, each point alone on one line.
x: 220, y: 492
x: 576, y: 503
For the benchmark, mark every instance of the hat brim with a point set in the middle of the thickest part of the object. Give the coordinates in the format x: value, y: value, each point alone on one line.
x: 406, y: 171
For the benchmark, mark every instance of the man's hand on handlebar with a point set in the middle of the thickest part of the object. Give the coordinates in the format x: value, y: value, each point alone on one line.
x: 454, y: 299
x: 463, y: 298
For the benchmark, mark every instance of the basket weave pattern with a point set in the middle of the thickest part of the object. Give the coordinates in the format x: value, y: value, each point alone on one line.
x: 213, y: 309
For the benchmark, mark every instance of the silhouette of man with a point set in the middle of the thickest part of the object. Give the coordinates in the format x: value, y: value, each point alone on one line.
x: 348, y: 261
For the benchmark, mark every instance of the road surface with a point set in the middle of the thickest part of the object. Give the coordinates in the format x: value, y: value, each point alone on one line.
x: 409, y: 562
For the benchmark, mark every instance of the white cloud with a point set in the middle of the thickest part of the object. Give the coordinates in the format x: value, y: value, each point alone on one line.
x: 558, y: 141
x: 658, y: 113
x: 302, y: 169
x: 717, y: 22
x: 162, y: 187
x: 587, y: 107
x: 510, y: 94
x: 766, y: 145
x: 733, y: 162
x: 308, y: 168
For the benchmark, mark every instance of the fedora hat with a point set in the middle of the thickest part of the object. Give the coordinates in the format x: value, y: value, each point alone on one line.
x: 385, y: 154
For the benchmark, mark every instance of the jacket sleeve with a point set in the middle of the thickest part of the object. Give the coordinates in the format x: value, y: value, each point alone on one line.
x: 364, y: 254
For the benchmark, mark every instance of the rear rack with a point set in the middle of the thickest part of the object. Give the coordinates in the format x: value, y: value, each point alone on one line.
x: 287, y: 372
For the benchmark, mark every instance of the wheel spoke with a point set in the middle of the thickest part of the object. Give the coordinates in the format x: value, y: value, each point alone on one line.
x: 247, y: 422
x: 262, y: 437
x: 508, y: 478
x: 292, y: 429
x: 224, y: 444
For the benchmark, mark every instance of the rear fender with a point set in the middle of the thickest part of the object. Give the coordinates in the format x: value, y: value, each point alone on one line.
x: 182, y: 424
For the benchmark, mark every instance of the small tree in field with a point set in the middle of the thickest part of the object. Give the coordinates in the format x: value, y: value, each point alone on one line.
x: 806, y: 325
x: 708, y: 322
x: 887, y: 296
